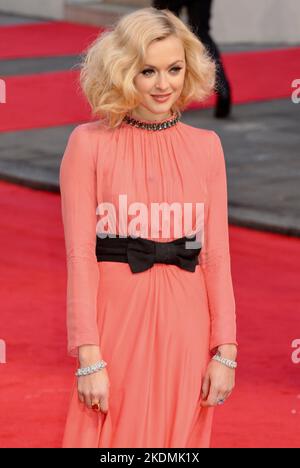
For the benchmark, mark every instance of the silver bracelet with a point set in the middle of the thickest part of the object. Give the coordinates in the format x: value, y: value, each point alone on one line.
x: 91, y: 369
x: 226, y: 362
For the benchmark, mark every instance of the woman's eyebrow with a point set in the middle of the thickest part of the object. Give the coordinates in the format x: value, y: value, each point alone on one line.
x: 147, y: 65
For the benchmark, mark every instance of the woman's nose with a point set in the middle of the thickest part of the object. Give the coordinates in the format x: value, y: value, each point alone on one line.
x: 162, y: 81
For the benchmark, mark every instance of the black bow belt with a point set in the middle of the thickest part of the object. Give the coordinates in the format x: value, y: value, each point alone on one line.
x: 141, y: 253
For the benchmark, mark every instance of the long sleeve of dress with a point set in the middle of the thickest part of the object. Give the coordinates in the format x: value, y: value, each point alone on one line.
x: 215, y: 255
x: 77, y: 179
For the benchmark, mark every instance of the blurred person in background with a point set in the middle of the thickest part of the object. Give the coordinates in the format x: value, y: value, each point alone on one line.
x: 199, y: 15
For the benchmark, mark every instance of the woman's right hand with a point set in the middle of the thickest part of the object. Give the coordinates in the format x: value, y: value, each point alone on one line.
x: 93, y: 388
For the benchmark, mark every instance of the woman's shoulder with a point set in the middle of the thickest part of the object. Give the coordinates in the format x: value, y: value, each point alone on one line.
x: 88, y: 129
x: 206, y: 135
x: 82, y: 142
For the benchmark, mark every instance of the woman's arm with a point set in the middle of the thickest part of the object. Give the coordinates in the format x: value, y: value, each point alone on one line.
x: 215, y: 254
x: 77, y: 180
x: 78, y: 187
x: 219, y: 380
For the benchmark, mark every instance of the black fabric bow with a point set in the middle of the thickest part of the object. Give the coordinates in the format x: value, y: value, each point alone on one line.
x: 143, y: 253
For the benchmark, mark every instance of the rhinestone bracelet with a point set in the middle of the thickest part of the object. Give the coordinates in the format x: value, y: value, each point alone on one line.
x: 226, y: 362
x: 91, y: 369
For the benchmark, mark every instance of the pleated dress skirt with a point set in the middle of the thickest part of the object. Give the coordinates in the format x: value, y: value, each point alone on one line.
x: 154, y: 332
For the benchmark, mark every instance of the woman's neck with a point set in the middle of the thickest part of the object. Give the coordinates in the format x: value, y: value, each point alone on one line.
x: 149, y: 117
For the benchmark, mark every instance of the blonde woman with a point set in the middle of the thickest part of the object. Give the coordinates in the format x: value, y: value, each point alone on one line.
x: 150, y: 317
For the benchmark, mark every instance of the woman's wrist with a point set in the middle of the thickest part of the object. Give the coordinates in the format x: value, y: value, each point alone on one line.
x: 88, y: 355
x: 229, y: 351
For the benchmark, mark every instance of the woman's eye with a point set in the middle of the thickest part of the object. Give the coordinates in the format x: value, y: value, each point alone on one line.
x: 176, y: 68
x: 145, y: 72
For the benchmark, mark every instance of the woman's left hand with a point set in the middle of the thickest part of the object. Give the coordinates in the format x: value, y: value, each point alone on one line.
x: 218, y: 383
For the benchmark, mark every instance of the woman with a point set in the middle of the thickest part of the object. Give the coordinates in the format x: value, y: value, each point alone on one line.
x: 156, y: 318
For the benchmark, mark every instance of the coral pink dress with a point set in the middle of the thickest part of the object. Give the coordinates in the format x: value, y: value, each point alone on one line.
x: 156, y: 329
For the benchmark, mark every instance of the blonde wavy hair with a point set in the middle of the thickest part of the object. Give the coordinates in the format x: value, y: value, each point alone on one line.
x: 112, y: 61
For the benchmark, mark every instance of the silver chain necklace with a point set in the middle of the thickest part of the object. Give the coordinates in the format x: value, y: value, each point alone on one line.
x: 166, y: 123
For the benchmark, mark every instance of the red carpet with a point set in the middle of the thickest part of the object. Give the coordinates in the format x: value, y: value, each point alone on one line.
x: 46, y: 39
x: 45, y: 100
x: 264, y: 408
x: 50, y: 99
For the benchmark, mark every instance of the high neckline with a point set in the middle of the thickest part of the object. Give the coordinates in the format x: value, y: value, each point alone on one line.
x: 152, y: 125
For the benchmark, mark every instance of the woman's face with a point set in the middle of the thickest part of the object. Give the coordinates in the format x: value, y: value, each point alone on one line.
x: 163, y: 73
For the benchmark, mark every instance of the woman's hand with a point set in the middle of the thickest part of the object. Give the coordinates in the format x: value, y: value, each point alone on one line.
x: 93, y: 388
x: 219, y: 379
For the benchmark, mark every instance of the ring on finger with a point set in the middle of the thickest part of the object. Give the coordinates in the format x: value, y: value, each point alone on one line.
x: 220, y: 401
x: 96, y: 406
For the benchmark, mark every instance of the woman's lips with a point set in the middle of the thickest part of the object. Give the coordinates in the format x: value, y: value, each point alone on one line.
x: 161, y: 98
